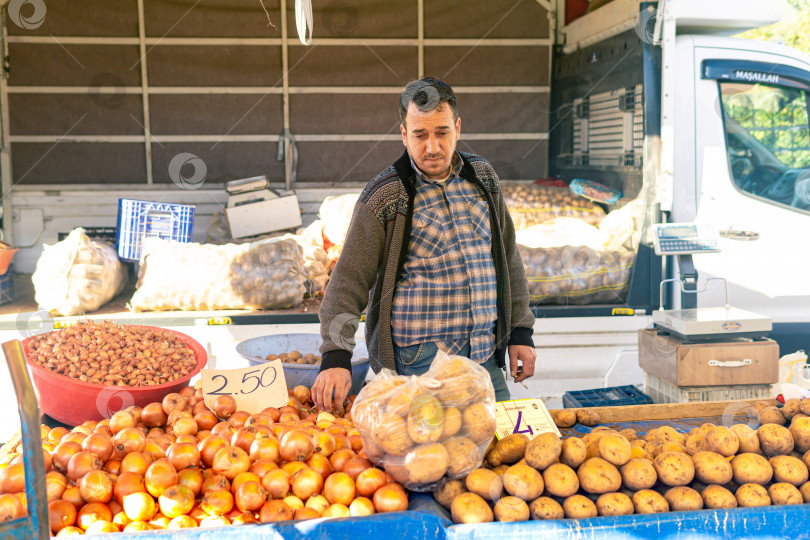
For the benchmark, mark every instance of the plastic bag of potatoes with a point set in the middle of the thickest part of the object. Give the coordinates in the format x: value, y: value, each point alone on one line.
x: 576, y: 275
x: 530, y: 204
x: 422, y: 429
x: 268, y: 274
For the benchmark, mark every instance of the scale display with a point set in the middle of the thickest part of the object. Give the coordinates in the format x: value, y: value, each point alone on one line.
x: 684, y: 238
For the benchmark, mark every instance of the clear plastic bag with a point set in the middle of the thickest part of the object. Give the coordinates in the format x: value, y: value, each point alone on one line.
x: 576, y: 275
x: 268, y: 274
x: 530, y: 204
x: 77, y: 275
x: 425, y: 428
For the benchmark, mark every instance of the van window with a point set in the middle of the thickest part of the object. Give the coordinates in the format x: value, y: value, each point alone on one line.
x: 768, y: 141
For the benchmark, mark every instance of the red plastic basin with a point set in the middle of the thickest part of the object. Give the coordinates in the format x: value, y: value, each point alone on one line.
x: 72, y: 402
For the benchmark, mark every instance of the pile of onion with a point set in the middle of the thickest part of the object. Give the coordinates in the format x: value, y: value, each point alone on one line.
x: 178, y: 464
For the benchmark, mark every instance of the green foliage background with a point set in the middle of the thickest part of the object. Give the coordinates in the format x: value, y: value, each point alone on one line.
x: 795, y: 32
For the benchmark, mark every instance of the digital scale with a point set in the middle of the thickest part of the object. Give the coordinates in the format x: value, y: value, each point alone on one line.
x: 700, y: 324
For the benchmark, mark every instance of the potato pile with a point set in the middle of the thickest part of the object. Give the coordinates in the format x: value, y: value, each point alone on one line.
x: 576, y: 274
x: 295, y: 357
x: 609, y: 472
x: 530, y: 204
x: 423, y: 429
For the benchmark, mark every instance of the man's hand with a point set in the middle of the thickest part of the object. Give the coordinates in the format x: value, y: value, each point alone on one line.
x: 337, y: 380
x: 527, y: 356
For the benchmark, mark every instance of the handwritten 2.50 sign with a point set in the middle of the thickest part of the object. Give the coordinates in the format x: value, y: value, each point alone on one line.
x: 254, y: 388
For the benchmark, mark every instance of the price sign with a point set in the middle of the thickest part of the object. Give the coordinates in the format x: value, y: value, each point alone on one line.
x: 527, y: 416
x: 254, y: 388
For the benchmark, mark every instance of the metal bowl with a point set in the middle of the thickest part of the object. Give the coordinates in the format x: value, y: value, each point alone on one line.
x: 255, y: 350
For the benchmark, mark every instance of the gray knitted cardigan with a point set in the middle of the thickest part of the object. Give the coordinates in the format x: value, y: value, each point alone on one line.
x: 373, y: 255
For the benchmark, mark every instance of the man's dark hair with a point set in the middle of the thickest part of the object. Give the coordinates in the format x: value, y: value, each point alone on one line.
x: 427, y: 94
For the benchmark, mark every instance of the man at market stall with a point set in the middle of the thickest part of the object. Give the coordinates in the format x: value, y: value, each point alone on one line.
x: 431, y: 253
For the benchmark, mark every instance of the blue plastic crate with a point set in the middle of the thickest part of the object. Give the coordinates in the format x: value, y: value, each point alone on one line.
x: 141, y: 219
x: 605, y: 397
x: 7, y: 286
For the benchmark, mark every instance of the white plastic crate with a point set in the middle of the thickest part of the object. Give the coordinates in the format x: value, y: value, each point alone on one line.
x: 664, y: 392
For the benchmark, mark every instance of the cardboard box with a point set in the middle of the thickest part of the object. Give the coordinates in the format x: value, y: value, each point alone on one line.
x: 736, y: 361
x: 263, y: 217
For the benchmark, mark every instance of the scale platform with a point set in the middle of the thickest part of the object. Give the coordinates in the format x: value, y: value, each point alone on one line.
x: 713, y: 323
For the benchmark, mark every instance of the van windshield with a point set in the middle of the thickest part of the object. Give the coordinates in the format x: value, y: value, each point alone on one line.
x: 768, y: 141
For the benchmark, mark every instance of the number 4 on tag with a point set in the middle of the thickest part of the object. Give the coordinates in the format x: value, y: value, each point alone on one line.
x: 517, y: 425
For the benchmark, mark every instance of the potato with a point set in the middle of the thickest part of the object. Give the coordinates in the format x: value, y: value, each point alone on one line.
x: 759, y: 405
x: 500, y: 469
x: 800, y: 430
x: 805, y: 491
x: 667, y: 434
x: 523, y: 482
x: 587, y: 417
x: 721, y: 440
x: 565, y: 418
x: 470, y: 508
x: 573, y: 452
x: 511, y: 509
x: 639, y: 474
x: 485, y: 483
x: 694, y: 444
x: 784, y: 493
x: 749, y: 442
x: 598, y: 476
x: 543, y: 450
x: 751, y: 469
x: 425, y: 419
x: 771, y: 415
x: 716, y: 497
x: 392, y: 435
x: 546, y: 508
x: 447, y: 490
x: 789, y: 469
x: 508, y: 450
x: 636, y: 452
x: 629, y: 434
x: 674, y: 468
x: 560, y: 480
x: 614, y: 504
x: 804, y: 406
x: 641, y: 443
x: 464, y: 456
x: 712, y: 468
x: 579, y: 507
x: 614, y: 449
x: 775, y: 440
x: 651, y: 435
x: 667, y: 447
x: 452, y: 422
x: 647, y: 501
x: 425, y: 464
x: 683, y: 498
x: 791, y: 408
x: 478, y: 423
x: 749, y: 495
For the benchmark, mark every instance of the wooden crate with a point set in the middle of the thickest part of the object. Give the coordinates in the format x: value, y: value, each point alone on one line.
x: 682, y: 364
x: 710, y: 410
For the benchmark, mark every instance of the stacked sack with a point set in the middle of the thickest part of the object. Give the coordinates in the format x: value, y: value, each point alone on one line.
x: 268, y: 274
x: 423, y: 429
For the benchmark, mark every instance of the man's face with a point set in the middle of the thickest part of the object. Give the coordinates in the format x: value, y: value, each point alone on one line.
x: 430, y: 138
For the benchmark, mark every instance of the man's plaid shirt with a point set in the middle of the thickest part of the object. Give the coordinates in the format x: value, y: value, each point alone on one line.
x: 448, y: 294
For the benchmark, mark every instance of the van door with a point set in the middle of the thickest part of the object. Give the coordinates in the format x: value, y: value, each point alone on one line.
x: 752, y: 170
